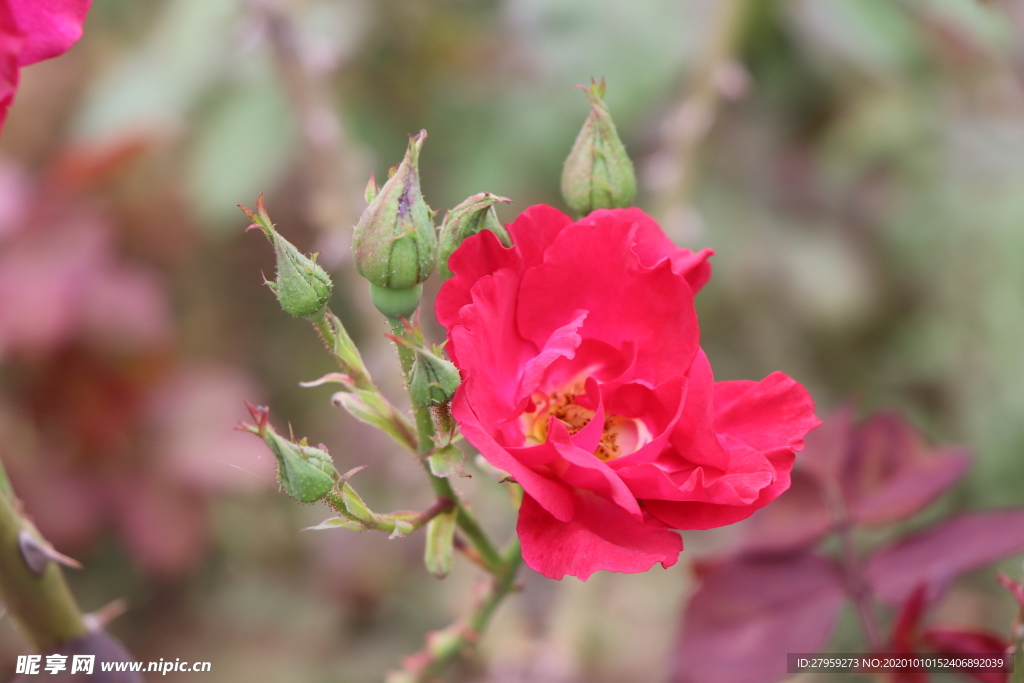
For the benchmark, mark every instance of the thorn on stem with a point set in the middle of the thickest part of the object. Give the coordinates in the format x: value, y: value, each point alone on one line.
x: 37, y: 554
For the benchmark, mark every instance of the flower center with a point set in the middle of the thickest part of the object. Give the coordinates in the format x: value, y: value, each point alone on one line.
x: 620, y: 436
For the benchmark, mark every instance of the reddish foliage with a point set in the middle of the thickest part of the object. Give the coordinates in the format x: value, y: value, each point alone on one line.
x: 750, y: 612
x: 874, y: 473
x: 908, y: 638
x: 889, y: 473
x: 939, y: 554
x: 798, y: 519
x: 950, y: 641
x: 776, y: 596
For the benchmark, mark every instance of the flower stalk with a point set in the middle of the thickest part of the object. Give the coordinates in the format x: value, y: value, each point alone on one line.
x: 443, y: 646
x: 41, y: 602
x: 425, y: 446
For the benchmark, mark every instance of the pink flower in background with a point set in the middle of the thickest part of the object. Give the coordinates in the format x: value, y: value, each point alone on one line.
x: 583, y: 378
x: 31, y: 31
x: 104, y: 426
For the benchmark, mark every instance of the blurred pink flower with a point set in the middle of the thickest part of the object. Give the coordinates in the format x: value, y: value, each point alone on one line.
x: 31, y: 31
x: 104, y: 429
x: 58, y: 283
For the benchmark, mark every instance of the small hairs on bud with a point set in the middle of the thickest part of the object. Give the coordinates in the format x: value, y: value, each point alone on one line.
x: 302, y: 287
x: 468, y: 218
x: 598, y: 173
x: 305, y: 473
x: 395, y: 245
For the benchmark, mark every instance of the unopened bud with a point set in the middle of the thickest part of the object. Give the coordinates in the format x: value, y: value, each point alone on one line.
x: 302, y: 287
x: 434, y: 380
x: 394, y: 245
x: 598, y: 173
x: 468, y: 218
x: 305, y: 473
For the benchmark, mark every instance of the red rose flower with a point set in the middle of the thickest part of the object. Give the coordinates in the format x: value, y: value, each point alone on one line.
x: 583, y: 378
x: 31, y: 31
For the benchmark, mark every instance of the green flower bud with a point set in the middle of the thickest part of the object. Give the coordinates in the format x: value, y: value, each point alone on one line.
x: 302, y: 287
x: 598, y: 173
x: 396, y: 303
x: 395, y: 246
x: 434, y: 380
x: 305, y: 473
x: 468, y: 218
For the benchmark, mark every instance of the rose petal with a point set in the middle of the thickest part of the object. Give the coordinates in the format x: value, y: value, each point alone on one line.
x: 50, y: 27
x: 652, y: 246
x: 600, y: 535
x: 591, y: 268
x: 774, y: 413
x: 557, y: 499
x: 708, y: 515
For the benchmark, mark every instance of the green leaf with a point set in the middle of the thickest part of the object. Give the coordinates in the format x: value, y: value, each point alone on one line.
x: 354, y: 504
x: 337, y: 523
x: 373, y: 409
x: 448, y: 462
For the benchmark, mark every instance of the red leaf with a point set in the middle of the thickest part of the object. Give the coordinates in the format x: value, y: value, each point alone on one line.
x: 750, y: 613
x: 904, y: 631
x: 958, y: 642
x: 943, y: 552
x: 795, y: 520
x: 827, y: 448
x: 890, y: 474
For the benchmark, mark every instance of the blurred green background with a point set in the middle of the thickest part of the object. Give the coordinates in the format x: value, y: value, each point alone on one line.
x: 857, y: 165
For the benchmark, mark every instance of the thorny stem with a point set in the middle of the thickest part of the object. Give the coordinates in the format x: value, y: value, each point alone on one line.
x: 442, y: 487
x: 444, y: 645
x: 470, y: 552
x: 43, y: 603
x: 329, y: 334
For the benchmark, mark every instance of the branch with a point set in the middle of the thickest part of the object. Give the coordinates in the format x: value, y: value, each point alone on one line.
x: 444, y: 645
x: 41, y: 602
x: 442, y: 487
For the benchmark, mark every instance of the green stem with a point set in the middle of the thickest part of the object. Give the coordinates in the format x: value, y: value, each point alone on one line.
x: 504, y: 583
x: 467, y: 522
x: 442, y: 487
x: 445, y: 645
x: 389, y: 522
x: 42, y: 604
x: 335, y: 337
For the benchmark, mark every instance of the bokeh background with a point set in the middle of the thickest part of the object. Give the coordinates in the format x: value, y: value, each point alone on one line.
x: 857, y: 165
